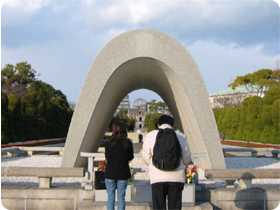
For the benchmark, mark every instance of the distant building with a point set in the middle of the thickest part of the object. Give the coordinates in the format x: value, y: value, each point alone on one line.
x: 125, y: 105
x: 138, y: 113
x: 230, y: 97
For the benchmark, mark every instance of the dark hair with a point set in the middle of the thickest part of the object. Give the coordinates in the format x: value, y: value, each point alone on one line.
x: 119, y: 133
x: 166, y: 119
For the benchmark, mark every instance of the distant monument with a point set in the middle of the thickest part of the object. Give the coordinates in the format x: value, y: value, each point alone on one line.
x: 138, y: 113
x: 143, y: 59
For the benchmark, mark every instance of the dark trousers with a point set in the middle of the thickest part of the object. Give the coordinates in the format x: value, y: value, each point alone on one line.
x: 173, y: 192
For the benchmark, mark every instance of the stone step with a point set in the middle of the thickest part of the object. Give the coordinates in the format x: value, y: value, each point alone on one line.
x: 88, y: 205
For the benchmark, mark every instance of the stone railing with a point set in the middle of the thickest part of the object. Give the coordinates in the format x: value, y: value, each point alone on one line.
x: 90, y: 168
x: 31, y: 150
x: 44, y: 174
x: 89, y: 185
x: 254, y: 151
x: 244, y: 176
x: 8, y: 150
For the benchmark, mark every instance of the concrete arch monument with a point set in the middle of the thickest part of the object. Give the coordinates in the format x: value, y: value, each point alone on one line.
x: 143, y: 59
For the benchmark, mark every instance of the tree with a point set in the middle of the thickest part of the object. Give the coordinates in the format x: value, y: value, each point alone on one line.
x: 151, y: 121
x: 4, y: 119
x: 258, y: 82
x: 271, y: 95
x: 227, y: 121
x: 16, y: 79
x: 14, y: 106
x: 236, y: 113
x: 158, y: 107
x: 257, y: 120
x: 220, y: 120
x: 251, y: 116
x: 217, y: 113
x: 267, y: 122
x: 242, y: 122
x: 275, y: 131
x: 35, y: 109
x: 276, y: 75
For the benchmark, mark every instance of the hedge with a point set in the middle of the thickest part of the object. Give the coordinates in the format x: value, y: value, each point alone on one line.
x: 257, y: 120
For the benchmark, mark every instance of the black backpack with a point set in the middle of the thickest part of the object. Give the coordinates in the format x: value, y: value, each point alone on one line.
x: 167, y: 150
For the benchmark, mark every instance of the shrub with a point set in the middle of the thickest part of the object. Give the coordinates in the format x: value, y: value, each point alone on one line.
x: 240, y: 131
x: 275, y: 131
x: 217, y: 113
x: 236, y: 114
x: 227, y: 121
x: 251, y: 116
x: 271, y: 95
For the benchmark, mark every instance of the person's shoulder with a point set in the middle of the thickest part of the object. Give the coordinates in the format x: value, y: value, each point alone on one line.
x: 151, y: 135
x: 153, y: 132
x: 130, y: 142
x: 180, y: 134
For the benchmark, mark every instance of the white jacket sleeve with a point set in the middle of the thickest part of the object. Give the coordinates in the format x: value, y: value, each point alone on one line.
x: 148, y: 146
x: 186, y: 154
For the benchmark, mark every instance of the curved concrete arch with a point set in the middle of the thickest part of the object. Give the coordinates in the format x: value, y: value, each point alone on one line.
x: 143, y: 59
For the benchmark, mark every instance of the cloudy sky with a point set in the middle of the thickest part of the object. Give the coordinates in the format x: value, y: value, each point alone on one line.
x: 61, y: 38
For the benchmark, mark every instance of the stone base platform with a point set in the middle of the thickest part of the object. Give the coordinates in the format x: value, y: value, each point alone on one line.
x: 88, y: 205
x: 70, y: 197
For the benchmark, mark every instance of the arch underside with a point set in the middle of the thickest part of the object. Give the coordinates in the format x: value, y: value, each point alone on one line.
x: 176, y: 80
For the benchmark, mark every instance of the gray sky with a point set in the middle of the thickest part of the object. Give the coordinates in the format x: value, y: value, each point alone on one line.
x: 61, y: 38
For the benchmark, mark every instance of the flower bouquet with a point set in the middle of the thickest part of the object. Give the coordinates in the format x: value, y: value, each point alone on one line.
x: 191, y: 173
x: 132, y: 172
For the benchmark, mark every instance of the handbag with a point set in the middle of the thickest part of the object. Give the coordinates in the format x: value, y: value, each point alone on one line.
x: 99, y: 180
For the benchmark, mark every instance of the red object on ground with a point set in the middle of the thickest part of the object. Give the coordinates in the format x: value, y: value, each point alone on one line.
x: 249, y: 144
x: 36, y: 143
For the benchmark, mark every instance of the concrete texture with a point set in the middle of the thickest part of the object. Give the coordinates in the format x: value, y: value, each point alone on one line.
x: 24, y: 197
x: 143, y: 59
x: 19, y: 197
x: 253, y: 198
x: 242, y: 173
x: 42, y: 172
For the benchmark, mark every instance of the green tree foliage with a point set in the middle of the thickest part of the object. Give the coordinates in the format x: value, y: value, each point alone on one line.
x: 276, y: 75
x: 251, y: 116
x: 217, y: 113
x: 258, y: 128
x: 271, y: 95
x: 151, y: 121
x: 275, y: 131
x: 259, y: 81
x: 220, y: 124
x: 227, y: 119
x: 156, y: 109
x: 235, y: 118
x: 257, y: 120
x: 122, y: 115
x: 16, y: 79
x: 242, y: 122
x: 4, y: 119
x: 267, y: 122
x: 14, y: 106
x: 39, y: 112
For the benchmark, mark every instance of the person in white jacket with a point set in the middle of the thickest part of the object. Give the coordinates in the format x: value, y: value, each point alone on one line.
x: 166, y: 183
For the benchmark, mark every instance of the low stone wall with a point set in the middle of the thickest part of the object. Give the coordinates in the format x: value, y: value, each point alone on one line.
x: 251, y: 198
x: 24, y: 197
